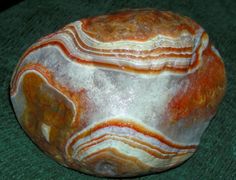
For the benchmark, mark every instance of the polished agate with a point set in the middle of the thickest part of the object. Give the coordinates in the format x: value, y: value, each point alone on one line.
x: 120, y: 95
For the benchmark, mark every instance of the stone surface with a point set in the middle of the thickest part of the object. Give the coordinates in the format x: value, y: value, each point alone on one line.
x: 120, y: 95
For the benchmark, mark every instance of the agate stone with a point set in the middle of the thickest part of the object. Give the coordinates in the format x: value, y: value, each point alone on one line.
x: 120, y: 95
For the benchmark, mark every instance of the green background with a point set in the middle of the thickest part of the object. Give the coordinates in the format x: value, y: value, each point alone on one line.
x: 24, y: 23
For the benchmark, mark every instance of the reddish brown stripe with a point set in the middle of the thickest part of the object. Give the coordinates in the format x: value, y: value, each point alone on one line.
x: 128, y: 68
x: 134, y: 126
x: 170, y: 55
x: 151, y: 152
x: 156, y: 50
x: 138, y: 141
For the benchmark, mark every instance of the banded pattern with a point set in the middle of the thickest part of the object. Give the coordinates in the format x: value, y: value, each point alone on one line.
x: 181, y: 54
x: 140, y: 144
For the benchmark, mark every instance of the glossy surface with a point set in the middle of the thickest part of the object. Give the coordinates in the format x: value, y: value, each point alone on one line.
x: 120, y: 95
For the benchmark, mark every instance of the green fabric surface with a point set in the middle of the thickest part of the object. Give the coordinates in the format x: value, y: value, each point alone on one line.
x: 26, y: 22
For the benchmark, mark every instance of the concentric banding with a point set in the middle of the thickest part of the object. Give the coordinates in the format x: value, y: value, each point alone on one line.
x: 151, y: 148
x: 178, y: 54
